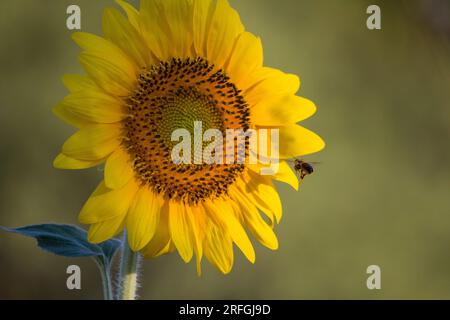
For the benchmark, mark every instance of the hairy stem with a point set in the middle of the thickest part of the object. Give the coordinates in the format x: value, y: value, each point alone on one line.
x: 129, y: 273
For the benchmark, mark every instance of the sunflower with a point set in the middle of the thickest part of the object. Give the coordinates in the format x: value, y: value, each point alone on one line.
x: 163, y: 67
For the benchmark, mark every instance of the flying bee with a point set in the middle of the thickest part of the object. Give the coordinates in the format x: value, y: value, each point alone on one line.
x: 303, y: 168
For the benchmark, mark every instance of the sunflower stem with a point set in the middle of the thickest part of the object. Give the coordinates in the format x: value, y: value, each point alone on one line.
x: 107, y: 283
x: 129, y: 273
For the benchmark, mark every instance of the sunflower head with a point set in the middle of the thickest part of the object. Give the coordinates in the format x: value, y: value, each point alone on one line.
x: 190, y: 65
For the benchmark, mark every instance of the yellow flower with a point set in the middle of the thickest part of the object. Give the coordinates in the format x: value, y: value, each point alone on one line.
x: 163, y: 67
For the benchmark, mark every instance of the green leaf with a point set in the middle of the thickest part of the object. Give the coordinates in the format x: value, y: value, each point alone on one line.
x: 68, y: 241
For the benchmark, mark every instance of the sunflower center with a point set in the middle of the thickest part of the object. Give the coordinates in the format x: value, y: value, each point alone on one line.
x: 175, y: 95
x: 185, y: 107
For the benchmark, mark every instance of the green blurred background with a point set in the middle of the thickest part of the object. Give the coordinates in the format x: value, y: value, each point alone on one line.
x: 381, y: 195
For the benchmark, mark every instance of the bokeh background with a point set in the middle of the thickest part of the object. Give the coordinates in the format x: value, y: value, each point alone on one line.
x: 381, y: 195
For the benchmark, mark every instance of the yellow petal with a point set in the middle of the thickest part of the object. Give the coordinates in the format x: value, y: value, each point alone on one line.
x: 143, y: 218
x: 223, y: 213
x: 93, y: 106
x: 179, y: 16
x: 285, y: 174
x: 64, y: 162
x: 268, y: 82
x: 106, y: 50
x: 261, y: 192
x: 103, y: 231
x: 246, y: 57
x: 76, y: 83
x: 161, y: 243
x: 259, y: 228
x: 203, y: 13
x: 68, y: 117
x: 282, y: 110
x: 296, y: 141
x: 180, y: 230
x: 105, y: 204
x: 119, y: 31
x: 253, y: 220
x: 93, y: 142
x: 132, y: 13
x: 118, y: 169
x: 218, y: 248
x: 106, y: 64
x: 226, y: 27
x: 198, y: 225
x: 154, y: 29
x: 108, y: 75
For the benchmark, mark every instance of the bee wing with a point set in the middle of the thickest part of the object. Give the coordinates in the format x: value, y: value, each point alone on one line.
x: 293, y: 161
